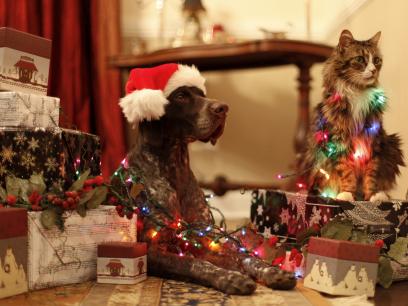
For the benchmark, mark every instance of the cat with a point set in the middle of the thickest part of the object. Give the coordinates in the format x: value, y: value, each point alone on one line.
x: 349, y: 156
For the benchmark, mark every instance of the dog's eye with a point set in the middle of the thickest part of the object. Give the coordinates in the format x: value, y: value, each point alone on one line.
x: 181, y: 96
x: 360, y: 59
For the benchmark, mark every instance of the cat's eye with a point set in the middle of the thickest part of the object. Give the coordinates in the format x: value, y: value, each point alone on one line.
x: 376, y: 60
x: 360, y: 59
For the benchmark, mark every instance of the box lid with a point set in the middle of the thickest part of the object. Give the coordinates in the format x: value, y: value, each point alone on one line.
x: 13, y: 222
x: 122, y: 249
x: 25, y: 42
x: 342, y: 249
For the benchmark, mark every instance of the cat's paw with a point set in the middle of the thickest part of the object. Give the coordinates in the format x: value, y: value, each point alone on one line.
x: 379, y: 196
x: 345, y: 196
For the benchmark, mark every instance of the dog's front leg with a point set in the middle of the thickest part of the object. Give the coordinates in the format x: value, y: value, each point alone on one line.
x: 272, y: 277
x: 163, y: 263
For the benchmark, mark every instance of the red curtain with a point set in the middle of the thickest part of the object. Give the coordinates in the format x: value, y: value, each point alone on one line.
x: 83, y: 33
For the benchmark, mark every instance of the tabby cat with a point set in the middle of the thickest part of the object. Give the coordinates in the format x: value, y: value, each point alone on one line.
x: 349, y: 155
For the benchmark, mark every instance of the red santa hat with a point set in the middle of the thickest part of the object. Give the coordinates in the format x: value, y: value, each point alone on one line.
x: 147, y: 89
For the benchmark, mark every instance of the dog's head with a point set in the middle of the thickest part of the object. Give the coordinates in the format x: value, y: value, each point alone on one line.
x: 179, y: 110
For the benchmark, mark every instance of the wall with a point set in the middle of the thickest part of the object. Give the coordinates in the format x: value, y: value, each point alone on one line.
x: 258, y: 139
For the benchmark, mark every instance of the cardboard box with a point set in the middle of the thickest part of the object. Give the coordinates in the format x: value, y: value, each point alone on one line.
x: 59, y: 154
x: 28, y: 110
x: 13, y: 251
x: 58, y: 258
x: 24, y: 62
x: 341, y: 267
x: 122, y: 262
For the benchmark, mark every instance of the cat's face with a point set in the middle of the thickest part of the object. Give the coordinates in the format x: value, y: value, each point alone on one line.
x: 358, y: 62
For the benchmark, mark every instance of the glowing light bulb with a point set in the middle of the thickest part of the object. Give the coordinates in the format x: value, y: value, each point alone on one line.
x: 153, y: 234
x: 243, y: 231
x: 279, y: 176
x: 208, y: 228
x: 181, y: 254
x: 214, y: 246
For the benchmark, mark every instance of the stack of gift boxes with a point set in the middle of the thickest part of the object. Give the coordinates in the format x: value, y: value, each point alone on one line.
x: 31, y: 141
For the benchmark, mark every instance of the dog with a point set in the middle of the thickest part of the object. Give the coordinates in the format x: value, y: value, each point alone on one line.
x: 185, y: 115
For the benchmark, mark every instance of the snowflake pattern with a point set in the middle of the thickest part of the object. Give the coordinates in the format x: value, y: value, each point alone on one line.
x: 275, y: 227
x: 51, y: 164
x: 315, y: 217
x: 20, y: 139
x: 7, y: 154
x: 267, y: 232
x: 27, y: 161
x: 285, y: 216
x: 33, y: 144
x: 297, y: 201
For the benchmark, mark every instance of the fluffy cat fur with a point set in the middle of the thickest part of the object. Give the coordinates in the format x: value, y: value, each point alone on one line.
x: 366, y: 159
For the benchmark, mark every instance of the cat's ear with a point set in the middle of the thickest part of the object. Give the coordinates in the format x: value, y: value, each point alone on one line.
x: 374, y: 40
x: 346, y: 38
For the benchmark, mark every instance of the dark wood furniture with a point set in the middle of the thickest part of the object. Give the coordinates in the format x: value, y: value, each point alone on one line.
x: 242, y: 55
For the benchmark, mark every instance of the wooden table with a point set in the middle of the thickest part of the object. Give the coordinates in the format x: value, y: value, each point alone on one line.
x: 244, y: 55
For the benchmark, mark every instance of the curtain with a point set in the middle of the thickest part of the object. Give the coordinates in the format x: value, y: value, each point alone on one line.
x: 83, y: 33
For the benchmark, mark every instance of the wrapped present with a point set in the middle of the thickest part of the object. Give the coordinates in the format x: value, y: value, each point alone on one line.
x: 341, y: 267
x: 24, y: 62
x: 13, y: 251
x: 59, y: 154
x: 286, y: 213
x: 122, y: 262
x: 59, y: 258
x: 29, y: 110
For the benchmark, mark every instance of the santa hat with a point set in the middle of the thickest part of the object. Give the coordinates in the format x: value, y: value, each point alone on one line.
x: 147, y: 89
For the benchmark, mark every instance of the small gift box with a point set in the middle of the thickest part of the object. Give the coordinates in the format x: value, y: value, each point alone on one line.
x: 341, y: 267
x: 24, y: 62
x: 122, y: 262
x: 29, y: 110
x: 13, y: 251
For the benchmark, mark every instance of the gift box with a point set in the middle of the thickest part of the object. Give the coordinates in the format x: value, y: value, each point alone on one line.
x: 286, y: 213
x: 13, y: 251
x: 24, y: 62
x: 28, y: 110
x: 59, y: 154
x: 122, y: 262
x: 58, y: 258
x: 341, y: 267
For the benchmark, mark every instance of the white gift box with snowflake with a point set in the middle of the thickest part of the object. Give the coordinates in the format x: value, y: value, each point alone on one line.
x: 28, y: 110
x: 341, y: 267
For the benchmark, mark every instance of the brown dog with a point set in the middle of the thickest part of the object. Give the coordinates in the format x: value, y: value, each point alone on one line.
x: 162, y: 156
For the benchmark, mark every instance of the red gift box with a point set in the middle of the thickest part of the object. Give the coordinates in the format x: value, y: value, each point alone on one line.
x: 341, y: 267
x: 122, y: 262
x: 13, y: 251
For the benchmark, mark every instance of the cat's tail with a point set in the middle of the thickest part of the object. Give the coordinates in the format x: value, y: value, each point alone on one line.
x: 391, y: 158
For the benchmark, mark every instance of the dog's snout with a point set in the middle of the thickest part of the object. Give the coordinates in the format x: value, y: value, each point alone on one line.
x: 219, y: 109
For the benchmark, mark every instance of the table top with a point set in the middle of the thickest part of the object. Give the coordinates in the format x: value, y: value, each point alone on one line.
x: 239, y: 55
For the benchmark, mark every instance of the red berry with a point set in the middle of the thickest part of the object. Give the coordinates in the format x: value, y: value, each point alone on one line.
x: 278, y: 260
x: 136, y: 210
x: 87, y: 188
x: 98, y: 180
x: 379, y: 243
x: 119, y: 208
x: 121, y: 214
x: 298, y: 259
x: 293, y: 253
x: 89, y: 182
x: 273, y: 241
x: 316, y: 227
x: 113, y: 200
x: 65, y: 204
x: 129, y: 215
x: 11, y: 199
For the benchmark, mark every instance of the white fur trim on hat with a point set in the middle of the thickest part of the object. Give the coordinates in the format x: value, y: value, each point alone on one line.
x: 145, y: 104
x: 185, y: 76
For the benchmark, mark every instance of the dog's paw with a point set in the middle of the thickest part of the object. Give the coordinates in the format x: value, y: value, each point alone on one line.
x: 236, y: 283
x: 379, y: 196
x: 345, y: 196
x: 279, y: 279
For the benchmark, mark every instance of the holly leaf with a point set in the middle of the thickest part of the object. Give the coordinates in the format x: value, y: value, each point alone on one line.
x: 385, y: 272
x: 360, y: 236
x: 37, y: 183
x: 48, y: 218
x: 135, y: 190
x: 3, y: 194
x: 337, y: 229
x: 17, y: 187
x: 398, y: 249
x: 81, y: 210
x: 86, y: 196
x: 79, y: 183
x: 98, y: 197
